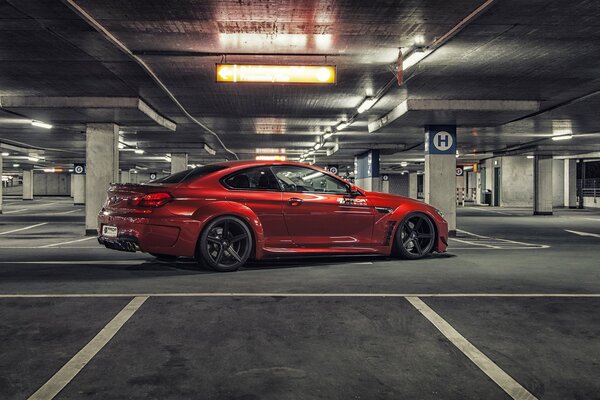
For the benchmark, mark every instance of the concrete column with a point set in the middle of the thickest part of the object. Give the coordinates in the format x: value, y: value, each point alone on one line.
x: 1, y: 184
x: 125, y: 176
x: 440, y: 171
x: 366, y: 171
x: 102, y: 168
x: 179, y: 162
x: 72, y: 185
x: 558, y: 187
x: 570, y: 183
x: 385, y: 186
x: 28, y: 184
x: 412, y: 185
x: 542, y: 185
x: 78, y: 189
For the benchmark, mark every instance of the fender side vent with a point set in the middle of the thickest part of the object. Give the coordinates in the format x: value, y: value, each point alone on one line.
x: 388, y: 232
x: 384, y: 210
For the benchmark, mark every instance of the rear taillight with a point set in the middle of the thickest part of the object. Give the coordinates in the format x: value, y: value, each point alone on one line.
x: 151, y: 200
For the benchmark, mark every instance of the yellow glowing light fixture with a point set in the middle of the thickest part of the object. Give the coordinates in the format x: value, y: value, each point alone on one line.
x: 270, y: 158
x: 252, y: 73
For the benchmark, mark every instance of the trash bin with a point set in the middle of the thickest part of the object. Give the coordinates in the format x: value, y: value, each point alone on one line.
x: 487, y: 197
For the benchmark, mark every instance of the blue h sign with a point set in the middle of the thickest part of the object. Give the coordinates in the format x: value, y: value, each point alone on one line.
x: 440, y: 139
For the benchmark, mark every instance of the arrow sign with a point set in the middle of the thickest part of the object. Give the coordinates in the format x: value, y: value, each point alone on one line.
x: 584, y: 233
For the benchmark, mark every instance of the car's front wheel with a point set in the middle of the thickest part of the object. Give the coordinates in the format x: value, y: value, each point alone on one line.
x: 415, y: 237
x: 225, y: 244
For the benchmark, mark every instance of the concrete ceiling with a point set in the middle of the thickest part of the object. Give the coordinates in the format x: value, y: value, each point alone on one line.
x: 540, y: 51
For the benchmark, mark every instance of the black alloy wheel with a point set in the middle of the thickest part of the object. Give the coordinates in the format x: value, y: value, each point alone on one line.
x: 225, y: 244
x: 415, y: 237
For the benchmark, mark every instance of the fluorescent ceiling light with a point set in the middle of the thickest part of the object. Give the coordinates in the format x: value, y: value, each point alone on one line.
x: 16, y: 165
x: 34, y: 159
x: 41, y: 124
x: 139, y: 151
x: 142, y: 168
x: 414, y: 58
x: 562, y: 137
x: 5, y: 154
x: 403, y: 164
x: 530, y: 156
x: 270, y: 151
x: 317, y: 146
x: 367, y: 104
x: 327, y: 135
x: 343, y: 125
x: 270, y: 158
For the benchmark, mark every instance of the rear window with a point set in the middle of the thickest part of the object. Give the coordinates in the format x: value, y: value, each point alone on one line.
x: 190, y: 174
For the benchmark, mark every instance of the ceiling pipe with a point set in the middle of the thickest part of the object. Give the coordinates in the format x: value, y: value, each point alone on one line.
x: 97, y: 26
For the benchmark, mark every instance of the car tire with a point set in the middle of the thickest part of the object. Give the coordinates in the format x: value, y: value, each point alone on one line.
x: 415, y: 237
x: 225, y: 244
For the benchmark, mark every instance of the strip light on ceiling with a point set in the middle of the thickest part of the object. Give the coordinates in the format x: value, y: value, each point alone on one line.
x: 270, y: 158
x: 562, y: 137
x: 343, y: 125
x: 41, y: 124
x: 415, y: 56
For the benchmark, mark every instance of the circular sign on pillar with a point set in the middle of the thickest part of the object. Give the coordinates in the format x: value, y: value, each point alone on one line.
x: 79, y: 169
x: 459, y: 171
x: 153, y: 175
x: 385, y: 178
x: 443, y: 141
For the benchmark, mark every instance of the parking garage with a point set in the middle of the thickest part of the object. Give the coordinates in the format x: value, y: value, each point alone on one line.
x: 484, y: 109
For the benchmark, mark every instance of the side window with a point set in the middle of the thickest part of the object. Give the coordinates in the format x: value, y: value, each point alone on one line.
x: 259, y: 178
x: 300, y: 179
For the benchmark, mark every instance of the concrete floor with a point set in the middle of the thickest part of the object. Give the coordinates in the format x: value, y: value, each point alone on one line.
x: 522, y: 290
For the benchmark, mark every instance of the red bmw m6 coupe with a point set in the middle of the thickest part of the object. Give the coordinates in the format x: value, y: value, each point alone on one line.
x: 224, y: 214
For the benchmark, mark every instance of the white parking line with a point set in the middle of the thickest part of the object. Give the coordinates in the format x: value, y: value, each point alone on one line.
x: 66, y: 374
x: 487, y: 366
x: 69, y: 242
x: 284, y: 294
x: 583, y: 233
x: 14, y: 211
x: 23, y: 229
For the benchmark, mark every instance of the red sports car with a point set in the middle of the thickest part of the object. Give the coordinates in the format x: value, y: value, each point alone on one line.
x: 224, y: 214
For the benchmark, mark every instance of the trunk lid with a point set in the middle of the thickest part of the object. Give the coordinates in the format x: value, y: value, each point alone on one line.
x: 120, y: 195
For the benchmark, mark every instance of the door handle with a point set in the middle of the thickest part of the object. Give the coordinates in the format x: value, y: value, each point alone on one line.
x: 295, y: 202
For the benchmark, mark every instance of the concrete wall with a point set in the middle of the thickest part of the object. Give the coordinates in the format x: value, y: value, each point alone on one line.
x: 558, y: 183
x: 51, y: 184
x: 591, y: 202
x: 517, y: 182
x: 398, y: 184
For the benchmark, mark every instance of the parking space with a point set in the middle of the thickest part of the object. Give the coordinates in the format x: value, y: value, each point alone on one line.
x: 312, y: 327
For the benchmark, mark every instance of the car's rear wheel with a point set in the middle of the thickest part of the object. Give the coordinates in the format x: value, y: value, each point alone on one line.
x: 225, y: 244
x: 415, y: 237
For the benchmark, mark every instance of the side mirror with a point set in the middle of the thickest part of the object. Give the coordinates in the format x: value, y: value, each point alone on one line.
x: 355, y: 191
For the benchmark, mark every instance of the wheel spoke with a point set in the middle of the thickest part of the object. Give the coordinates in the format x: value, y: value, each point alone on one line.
x: 225, y: 228
x: 213, y: 240
x: 220, y: 254
x: 418, y: 247
x: 234, y: 254
x: 426, y: 236
x: 418, y: 224
x: 237, y: 238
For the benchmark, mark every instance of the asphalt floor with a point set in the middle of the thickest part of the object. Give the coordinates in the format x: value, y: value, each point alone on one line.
x: 509, y: 312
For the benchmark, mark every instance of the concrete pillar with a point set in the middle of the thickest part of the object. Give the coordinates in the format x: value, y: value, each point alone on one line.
x: 366, y: 171
x: 72, y: 185
x: 542, y: 185
x: 102, y: 168
x: 385, y: 185
x: 78, y: 189
x: 570, y: 183
x: 179, y: 162
x: 558, y: 180
x: 412, y: 185
x: 28, y: 184
x: 1, y: 184
x: 440, y: 171
x: 125, y: 176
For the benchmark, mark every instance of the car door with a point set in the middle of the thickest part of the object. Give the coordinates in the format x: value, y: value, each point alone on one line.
x: 319, y: 211
x: 258, y: 189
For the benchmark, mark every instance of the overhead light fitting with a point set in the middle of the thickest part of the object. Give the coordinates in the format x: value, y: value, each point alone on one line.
x: 139, y: 151
x: 403, y: 164
x: 530, y: 157
x: 270, y: 158
x: 562, y: 137
x: 5, y: 154
x: 41, y: 124
x: 327, y: 135
x: 343, y: 125
x: 317, y: 146
x: 367, y: 104
x: 415, y: 57
x: 16, y: 165
x: 34, y: 159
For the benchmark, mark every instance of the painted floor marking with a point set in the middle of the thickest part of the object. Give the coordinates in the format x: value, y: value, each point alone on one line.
x: 583, y: 233
x: 485, y: 209
x: 486, y: 241
x: 23, y: 229
x: 14, y: 211
x: 487, y: 366
x: 69, y: 242
x: 283, y: 294
x: 62, y: 378
x: 592, y: 219
x: 61, y: 213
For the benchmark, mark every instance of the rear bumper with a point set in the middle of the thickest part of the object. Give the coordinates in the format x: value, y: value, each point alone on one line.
x: 123, y: 244
x: 171, y: 236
